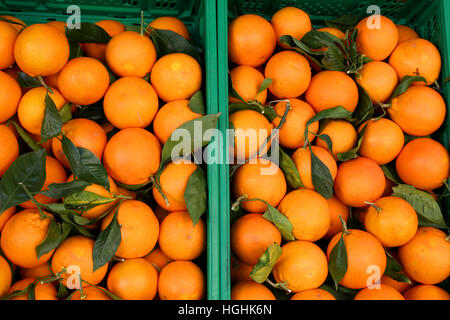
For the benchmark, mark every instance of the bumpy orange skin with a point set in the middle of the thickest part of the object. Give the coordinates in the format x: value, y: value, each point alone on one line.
x: 98, y: 50
x: 5, y: 276
x: 250, y: 290
x: 158, y: 258
x: 303, y: 266
x: 239, y: 271
x: 290, y: 21
x: 251, y: 40
x: 179, y: 239
x: 251, y: 235
x: 172, y: 24
x: 379, y: 80
x: 426, y: 258
x: 42, y: 291
x: 133, y: 279
x: 130, y: 54
x: 384, y: 292
x: 364, y: 252
x: 181, y: 280
x: 11, y: 94
x: 423, y: 163
x: 9, y: 35
x: 406, y: 33
x: 9, y: 148
x: 337, y: 208
x: 259, y: 179
x: 90, y: 293
x: 426, y: 292
x: 41, y: 50
x: 342, y: 134
x: 5, y: 216
x: 313, y: 294
x: 397, y: 285
x: 247, y: 82
x: 308, y: 212
x: 20, y: 236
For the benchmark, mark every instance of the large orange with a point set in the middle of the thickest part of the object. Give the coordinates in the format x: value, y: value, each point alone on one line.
x: 97, y: 50
x: 250, y: 290
x: 158, y: 258
x: 426, y: 292
x: 42, y: 291
x: 246, y: 82
x: 10, y: 94
x: 290, y: 21
x: 90, y: 293
x: 313, y: 294
x: 5, y: 216
x: 342, y: 134
x: 379, y: 80
x: 170, y: 23
x: 9, y: 148
x: 423, y: 163
x: 8, y: 34
x: 406, y: 33
x: 302, y: 265
x: 181, y: 280
x: 383, y: 292
x: 251, y: 40
x: 308, y: 212
x: 337, y: 208
x: 5, y: 276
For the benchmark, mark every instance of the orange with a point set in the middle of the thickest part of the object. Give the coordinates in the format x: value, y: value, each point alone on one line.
x: 250, y: 235
x: 397, y: 285
x: 393, y: 222
x: 308, y: 212
x: 290, y: 21
x: 179, y: 239
x: 10, y: 93
x: 130, y: 54
x: 43, y: 270
x: 383, y: 292
x: 359, y: 180
x: 313, y: 294
x: 251, y: 130
x: 158, y: 258
x: 335, y: 32
x: 97, y: 50
x: 406, y: 33
x: 5, y: 276
x: 250, y: 290
x: 54, y: 173
x: 342, y: 134
x: 382, y: 142
x: 173, y: 181
x: 337, y: 208
x: 291, y: 134
x: 290, y: 73
x: 83, y: 81
x: 379, y: 80
x: 170, y: 117
x: 426, y: 292
x: 302, y: 265
x: 59, y: 25
x: 83, y: 133
x: 132, y: 156
x: 139, y: 229
x: 251, y: 40
x: 42, y: 291
x: 32, y: 106
x: 417, y: 57
x: 20, y: 236
x: 329, y: 89
x: 9, y: 148
x: 239, y: 270
x: 41, y: 50
x: 259, y: 179
x: 246, y: 82
x: 170, y: 23
x: 176, y: 76
x: 130, y: 102
x: 423, y: 163
x: 8, y: 34
x: 365, y: 255
x: 127, y: 193
x: 420, y: 111
x: 426, y: 258
x: 90, y: 293
x: 377, y: 37
x: 302, y: 160
x: 77, y: 251
x: 5, y: 216
x: 19, y: 26
x: 181, y: 280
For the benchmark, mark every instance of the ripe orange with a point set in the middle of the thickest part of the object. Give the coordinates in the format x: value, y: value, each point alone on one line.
x: 176, y: 76
x: 170, y: 23
x: 384, y: 292
x: 426, y: 292
x: 9, y: 35
x: 259, y: 179
x: 329, y: 89
x: 133, y: 279
x: 158, y: 258
x: 59, y: 25
x: 406, y: 33
x: 128, y: 193
x: 336, y: 208
x: 181, y: 280
x: 359, y: 180
x: 342, y: 134
x: 42, y: 291
x: 417, y: 57
x: 335, y: 32
x: 139, y: 229
x: 308, y: 212
x: 77, y: 251
x: 170, y: 117
x: 43, y: 270
x: 397, y: 285
x: 423, y: 163
x: 379, y: 80
x: 132, y: 156
x: 377, y: 37
x: 365, y: 254
x: 302, y: 265
x: 179, y: 239
x: 291, y: 134
x: 313, y: 294
x: 16, y: 26
x: 9, y: 148
x: 239, y: 271
x: 5, y: 276
x: 250, y: 290
x: 83, y: 133
x: 5, y: 216
x: 420, y: 111
x: 11, y: 94
x: 20, y: 236
x: 97, y: 50
x: 290, y: 73
x: 41, y: 50
x: 90, y: 293
x: 250, y: 235
x: 290, y: 21
x: 130, y: 54
x: 426, y: 258
x: 246, y: 82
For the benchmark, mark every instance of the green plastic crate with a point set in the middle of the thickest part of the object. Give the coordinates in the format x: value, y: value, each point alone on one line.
x: 200, y: 18
x: 430, y: 18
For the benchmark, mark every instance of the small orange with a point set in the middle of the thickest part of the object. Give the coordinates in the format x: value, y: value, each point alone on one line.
x: 239, y: 271
x: 397, y: 285
x: 11, y: 94
x: 158, y: 258
x: 290, y: 21
x: 383, y: 292
x: 9, y: 35
x: 5, y: 276
x: 18, y: 26
x: 5, y: 216
x: 9, y: 148
x: 342, y: 134
x: 313, y: 294
x: 170, y: 23
x: 42, y: 291
x: 379, y: 80
x: 97, y: 50
x: 43, y: 270
x: 405, y: 33
x: 250, y: 290
x: 337, y: 208
x: 426, y: 292
x: 246, y: 82
x: 181, y: 280
x: 90, y: 293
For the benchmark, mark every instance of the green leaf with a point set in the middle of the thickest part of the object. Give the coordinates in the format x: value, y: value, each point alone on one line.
x: 195, y: 195
x: 266, y: 262
x: 264, y: 85
x: 337, y: 264
x: 51, y: 241
x: 29, y: 170
x: 290, y: 170
x: 333, y: 57
x: 322, y: 179
x: 404, y: 85
x: 62, y: 291
x: 93, y: 112
x: 353, y: 153
x: 61, y: 190
x: 364, y: 110
x: 301, y: 48
x: 75, y: 50
x: 394, y: 270
x: 426, y: 207
x: 390, y: 173
x: 344, y: 23
x: 88, y: 33
x: 280, y: 221
x: 66, y: 228
x: 85, y: 200
x: 196, y: 103
x: 134, y: 187
x: 333, y: 113
x: 326, y: 138
x: 66, y: 112
x: 26, y: 81
x: 26, y: 137
x: 52, y: 122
